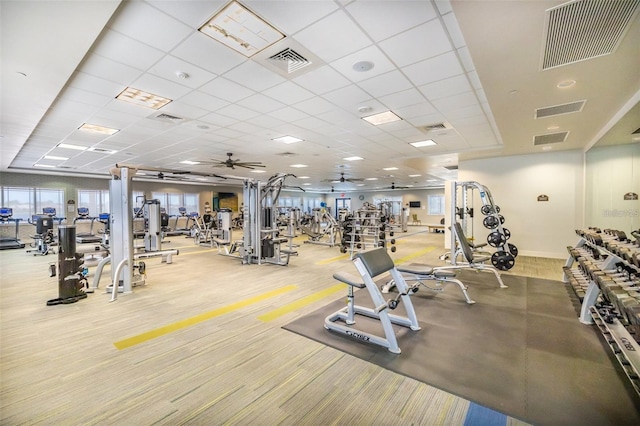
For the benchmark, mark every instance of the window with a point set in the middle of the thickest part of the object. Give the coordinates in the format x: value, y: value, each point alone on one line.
x: 173, y: 201
x: 50, y: 198
x: 436, y: 204
x: 97, y: 201
x: 21, y: 200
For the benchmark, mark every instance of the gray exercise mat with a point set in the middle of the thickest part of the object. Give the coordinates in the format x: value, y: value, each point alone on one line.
x: 520, y: 351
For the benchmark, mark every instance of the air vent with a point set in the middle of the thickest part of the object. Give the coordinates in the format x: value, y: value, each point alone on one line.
x: 168, y: 118
x: 585, y: 29
x: 451, y: 167
x: 289, y: 60
x: 550, y: 138
x: 435, y: 127
x: 560, y: 109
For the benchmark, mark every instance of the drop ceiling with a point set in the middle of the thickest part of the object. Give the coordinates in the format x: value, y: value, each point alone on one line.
x: 471, y: 69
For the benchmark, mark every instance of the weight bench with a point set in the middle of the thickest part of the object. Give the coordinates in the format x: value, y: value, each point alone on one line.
x: 474, y: 259
x: 371, y: 264
x: 421, y: 273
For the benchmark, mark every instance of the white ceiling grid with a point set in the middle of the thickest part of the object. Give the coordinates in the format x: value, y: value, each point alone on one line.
x: 422, y: 70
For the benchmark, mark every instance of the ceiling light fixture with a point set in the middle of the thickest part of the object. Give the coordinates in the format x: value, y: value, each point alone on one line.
x: 389, y: 168
x: 382, y: 118
x: 354, y: 158
x: 102, y: 150
x: 287, y: 139
x: 71, y: 146
x: 371, y: 179
x: 48, y: 166
x: 54, y: 157
x: 298, y: 166
x: 98, y: 129
x: 420, y: 144
x: 258, y: 171
x: 566, y: 84
x: 138, y: 97
x: 189, y: 162
x: 415, y: 175
x: 240, y: 29
x: 303, y: 177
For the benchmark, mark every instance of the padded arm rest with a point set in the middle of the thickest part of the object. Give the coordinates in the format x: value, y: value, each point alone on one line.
x: 416, y: 269
x: 350, y: 279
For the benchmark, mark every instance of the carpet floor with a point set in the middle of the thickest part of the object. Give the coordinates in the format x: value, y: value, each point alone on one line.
x: 520, y: 350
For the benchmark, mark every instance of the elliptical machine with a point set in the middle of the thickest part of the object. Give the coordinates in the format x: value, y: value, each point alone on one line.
x: 43, y: 239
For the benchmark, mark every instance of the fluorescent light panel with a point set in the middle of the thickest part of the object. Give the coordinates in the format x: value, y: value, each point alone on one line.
x: 382, y: 118
x: 71, y: 146
x: 353, y: 158
x: 390, y: 168
x: 55, y: 157
x: 48, y: 166
x: 287, y: 139
x: 420, y: 144
x: 138, y: 97
x: 298, y: 166
x: 189, y: 162
x: 98, y: 129
x: 240, y: 29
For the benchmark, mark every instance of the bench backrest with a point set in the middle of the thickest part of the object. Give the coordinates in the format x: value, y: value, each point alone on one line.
x: 376, y: 261
x: 464, y: 243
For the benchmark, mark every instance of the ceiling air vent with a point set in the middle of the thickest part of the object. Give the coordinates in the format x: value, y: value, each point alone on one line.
x: 435, y: 127
x: 168, y: 118
x: 585, y: 29
x: 289, y: 60
x: 560, y: 109
x: 550, y: 138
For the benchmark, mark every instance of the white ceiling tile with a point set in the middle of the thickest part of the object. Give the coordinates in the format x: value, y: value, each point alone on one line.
x: 169, y: 67
x: 291, y: 16
x: 465, y: 59
x: 193, y: 16
x: 383, y: 19
x: 455, y: 102
x: 451, y: 23
x: 434, y: 69
x: 288, y: 114
x: 314, y: 106
x: 238, y: 112
x: 265, y: 121
x: 261, y: 103
x: 322, y: 80
x: 110, y: 70
x: 447, y: 87
x: 386, y: 84
x: 160, y: 87
x: 82, y: 96
x: 136, y: 54
x: 444, y: 6
x: 183, y: 110
x: 203, y: 101
x: 402, y: 99
x: 413, y: 111
x: 373, y: 54
x: 288, y: 92
x: 208, y: 54
x: 254, y: 76
x: 426, y: 41
x: 94, y: 84
x: 148, y: 25
x: 327, y: 43
x: 467, y: 111
x: 348, y: 97
x: 226, y: 89
x: 218, y: 119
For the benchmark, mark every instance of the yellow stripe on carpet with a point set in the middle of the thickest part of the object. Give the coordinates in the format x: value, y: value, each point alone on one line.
x: 170, y: 328
x: 300, y: 303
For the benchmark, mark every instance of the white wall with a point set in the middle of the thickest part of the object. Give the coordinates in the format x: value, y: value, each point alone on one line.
x: 542, y: 229
x: 612, y: 172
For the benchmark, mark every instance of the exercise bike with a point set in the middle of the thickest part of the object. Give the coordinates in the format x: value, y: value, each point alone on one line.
x: 43, y: 238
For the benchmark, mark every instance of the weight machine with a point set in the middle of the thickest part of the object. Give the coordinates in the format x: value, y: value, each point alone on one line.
x: 462, y: 208
x: 317, y: 232
x: 13, y: 242
x: 43, y: 238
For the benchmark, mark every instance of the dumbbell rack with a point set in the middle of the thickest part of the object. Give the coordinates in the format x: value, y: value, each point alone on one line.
x: 365, y: 231
x: 603, y: 271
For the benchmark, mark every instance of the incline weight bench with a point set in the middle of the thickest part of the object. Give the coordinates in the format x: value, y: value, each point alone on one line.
x: 370, y: 264
x: 474, y: 259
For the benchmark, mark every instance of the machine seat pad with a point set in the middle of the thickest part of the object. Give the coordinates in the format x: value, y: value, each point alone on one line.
x: 350, y: 279
x: 480, y: 259
x: 221, y: 242
x: 444, y: 274
x: 416, y: 269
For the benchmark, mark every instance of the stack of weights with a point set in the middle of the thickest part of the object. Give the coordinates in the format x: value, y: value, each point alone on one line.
x: 71, y: 280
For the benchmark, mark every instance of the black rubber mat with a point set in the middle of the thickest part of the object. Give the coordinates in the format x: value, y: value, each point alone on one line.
x: 519, y: 350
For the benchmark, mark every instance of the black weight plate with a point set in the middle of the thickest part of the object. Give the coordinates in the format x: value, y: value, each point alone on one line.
x: 491, y: 222
x: 502, y: 260
x: 513, y: 249
x: 507, y: 233
x: 496, y: 239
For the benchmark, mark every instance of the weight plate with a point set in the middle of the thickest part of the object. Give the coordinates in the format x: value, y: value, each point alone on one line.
x: 507, y: 233
x: 490, y: 222
x: 513, y: 249
x: 496, y: 239
x: 502, y: 260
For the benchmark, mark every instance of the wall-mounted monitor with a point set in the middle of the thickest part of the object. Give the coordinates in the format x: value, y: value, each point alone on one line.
x: 414, y: 204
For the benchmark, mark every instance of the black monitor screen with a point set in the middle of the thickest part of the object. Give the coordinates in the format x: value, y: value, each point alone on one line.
x: 49, y: 210
x: 414, y: 204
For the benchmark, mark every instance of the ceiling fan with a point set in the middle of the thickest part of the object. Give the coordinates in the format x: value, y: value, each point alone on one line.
x: 343, y: 179
x: 237, y: 163
x: 394, y: 186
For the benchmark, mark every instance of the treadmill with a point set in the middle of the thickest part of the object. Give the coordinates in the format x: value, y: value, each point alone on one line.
x: 86, y: 237
x: 6, y: 216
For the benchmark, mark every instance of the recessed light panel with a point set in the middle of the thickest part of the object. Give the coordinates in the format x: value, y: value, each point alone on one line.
x: 98, y: 129
x: 189, y: 162
x: 390, y: 168
x: 71, y: 146
x: 138, y: 97
x: 240, y: 29
x: 382, y: 118
x: 353, y: 158
x: 287, y: 139
x: 299, y: 166
x: 55, y: 157
x: 420, y: 144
